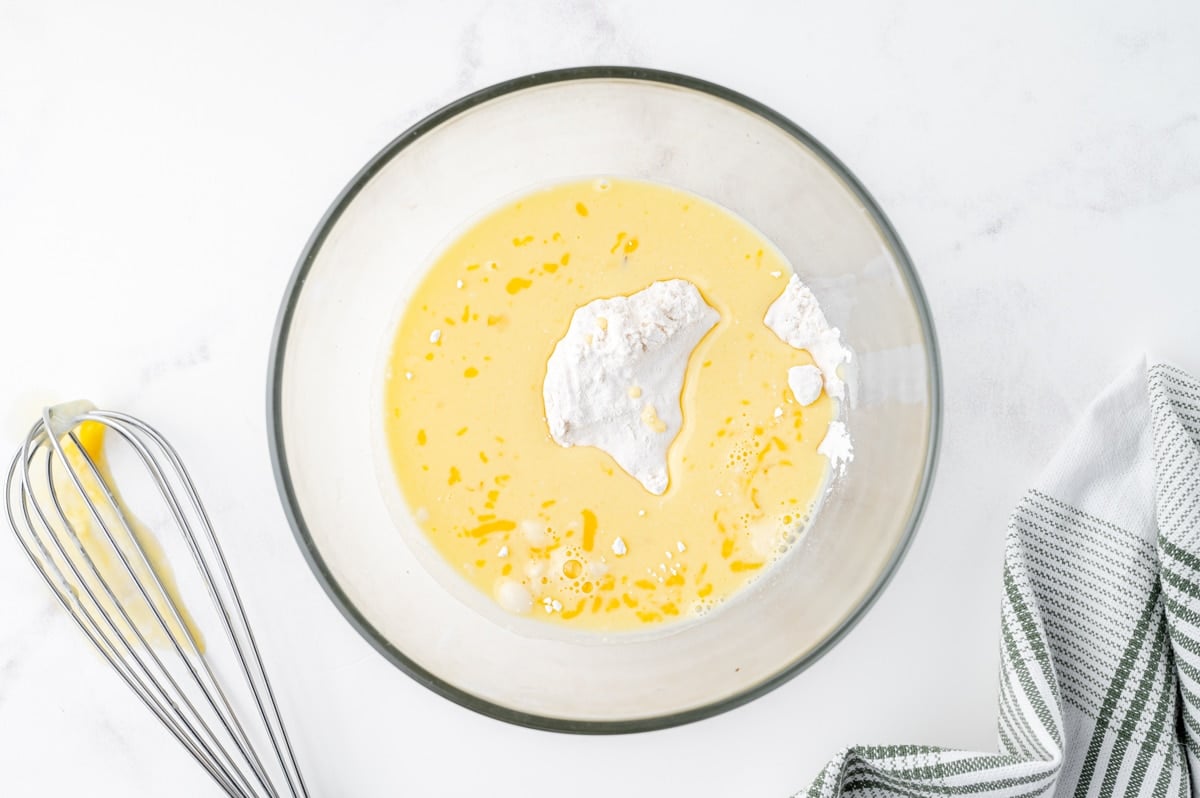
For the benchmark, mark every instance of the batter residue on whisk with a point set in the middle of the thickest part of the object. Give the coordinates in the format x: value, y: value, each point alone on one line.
x: 104, y: 555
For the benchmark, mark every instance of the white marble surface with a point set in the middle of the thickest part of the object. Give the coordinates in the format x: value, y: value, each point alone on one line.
x: 161, y: 166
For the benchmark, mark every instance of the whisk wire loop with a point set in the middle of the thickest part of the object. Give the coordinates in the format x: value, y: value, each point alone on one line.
x: 51, y: 534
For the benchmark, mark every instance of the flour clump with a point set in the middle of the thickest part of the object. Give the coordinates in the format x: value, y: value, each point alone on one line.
x: 797, y: 319
x: 614, y: 380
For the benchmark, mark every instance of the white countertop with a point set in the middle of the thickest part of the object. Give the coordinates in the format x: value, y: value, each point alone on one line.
x: 161, y: 167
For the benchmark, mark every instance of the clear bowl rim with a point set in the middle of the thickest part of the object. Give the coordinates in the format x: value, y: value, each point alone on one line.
x: 282, y: 472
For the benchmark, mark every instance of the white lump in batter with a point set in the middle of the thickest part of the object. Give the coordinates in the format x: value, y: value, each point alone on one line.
x: 806, y: 383
x: 797, y: 319
x: 614, y: 380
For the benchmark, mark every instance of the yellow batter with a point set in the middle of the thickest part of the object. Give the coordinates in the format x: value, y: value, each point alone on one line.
x: 563, y: 533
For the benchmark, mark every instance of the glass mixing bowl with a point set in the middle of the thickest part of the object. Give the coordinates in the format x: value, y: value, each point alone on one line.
x: 365, y: 258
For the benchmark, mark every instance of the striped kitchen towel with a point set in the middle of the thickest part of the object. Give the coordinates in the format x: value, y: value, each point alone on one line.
x: 1100, y: 624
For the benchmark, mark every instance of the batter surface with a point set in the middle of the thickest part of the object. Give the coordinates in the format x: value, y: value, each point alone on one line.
x: 564, y: 534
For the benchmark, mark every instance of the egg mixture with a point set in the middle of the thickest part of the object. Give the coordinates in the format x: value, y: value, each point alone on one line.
x: 565, y: 534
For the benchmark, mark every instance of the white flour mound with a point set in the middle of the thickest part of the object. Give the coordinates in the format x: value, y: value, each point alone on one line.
x: 797, y: 319
x: 614, y: 380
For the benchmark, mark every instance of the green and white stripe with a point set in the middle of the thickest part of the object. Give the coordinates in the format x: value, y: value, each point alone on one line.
x: 1100, y: 623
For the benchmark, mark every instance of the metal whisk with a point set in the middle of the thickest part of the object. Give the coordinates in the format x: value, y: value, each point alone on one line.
x: 101, y: 563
